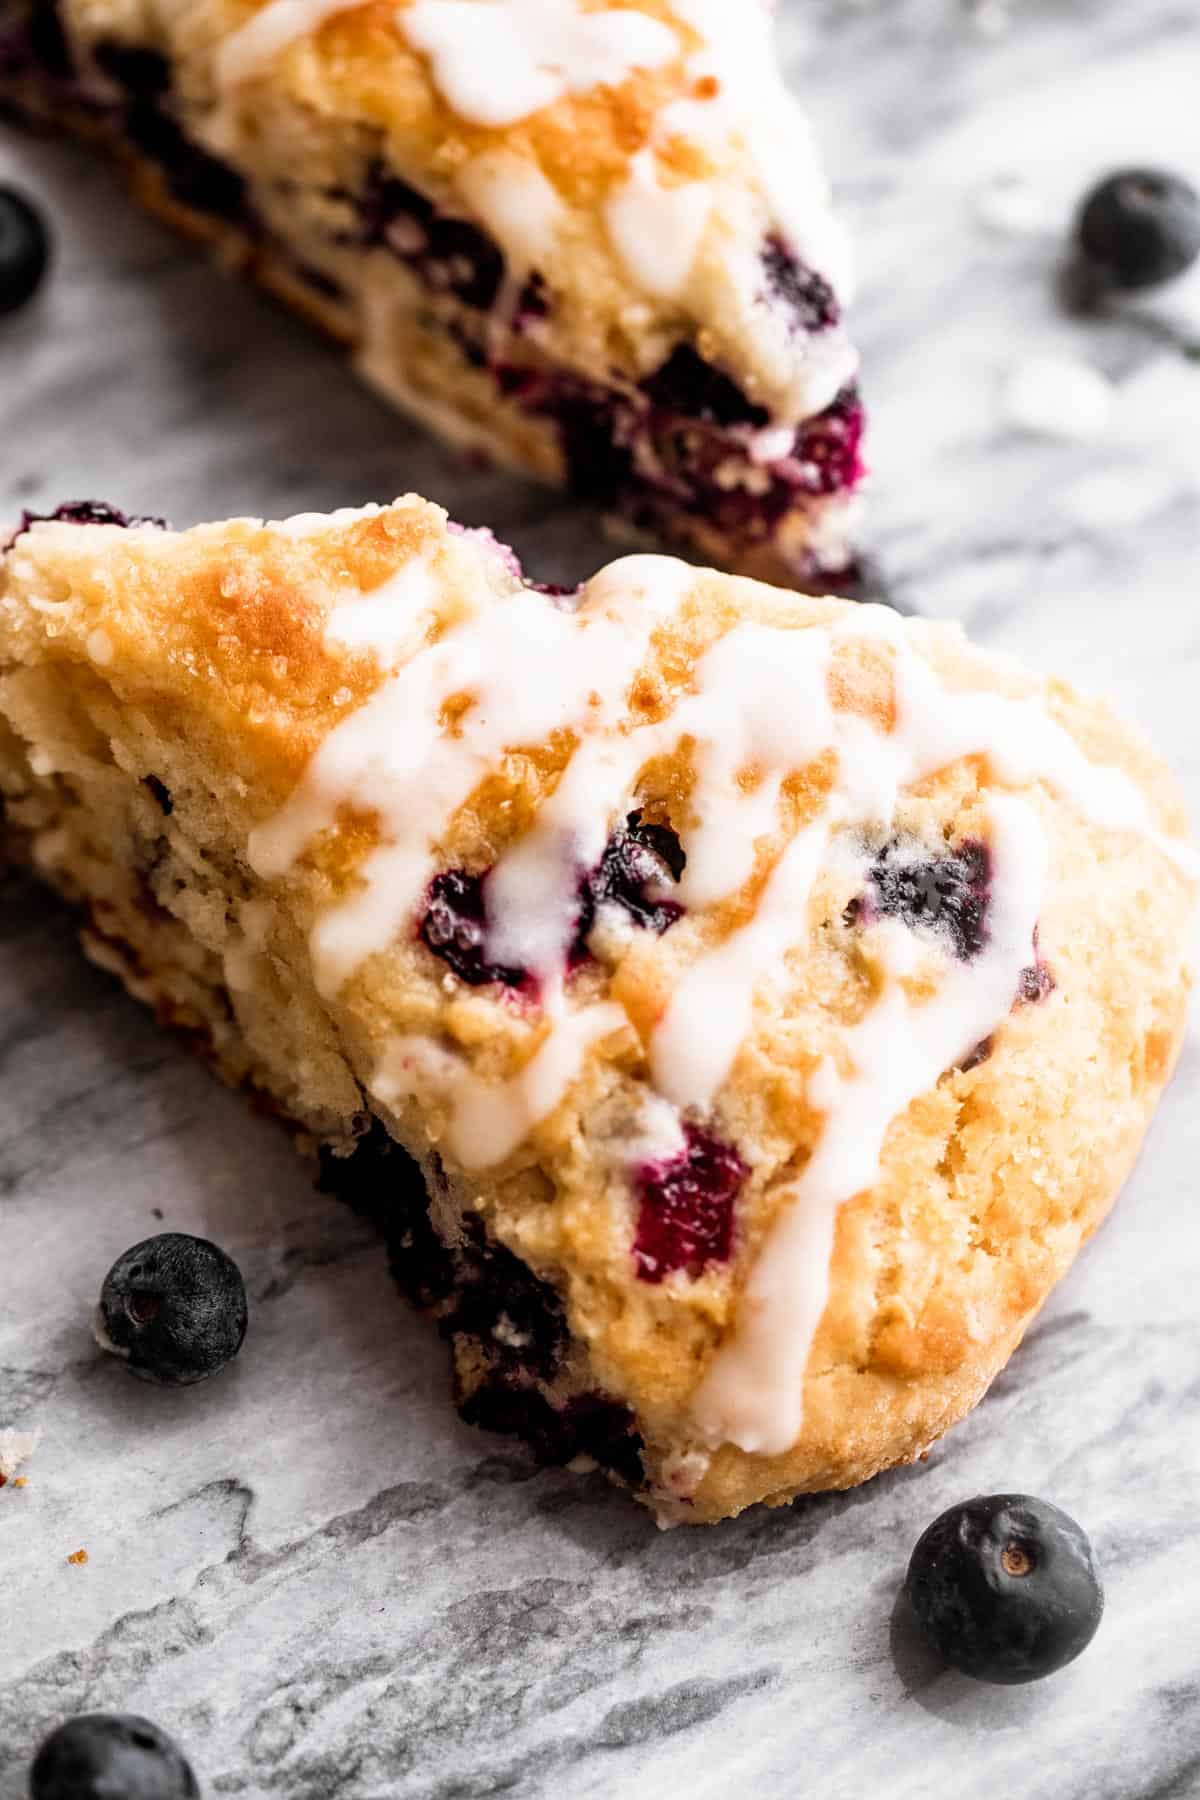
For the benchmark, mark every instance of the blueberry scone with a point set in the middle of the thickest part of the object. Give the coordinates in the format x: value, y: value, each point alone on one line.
x: 739, y: 1007
x: 591, y: 241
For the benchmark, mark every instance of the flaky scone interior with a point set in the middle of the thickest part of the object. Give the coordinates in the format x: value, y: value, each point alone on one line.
x: 738, y: 1007
x: 593, y: 242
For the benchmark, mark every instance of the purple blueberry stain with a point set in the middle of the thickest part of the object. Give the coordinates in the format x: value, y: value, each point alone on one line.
x: 532, y: 307
x: 979, y: 1055
x: 686, y: 1207
x: 1037, y: 981
x: 84, y: 512
x: 828, y: 447
x: 676, y: 448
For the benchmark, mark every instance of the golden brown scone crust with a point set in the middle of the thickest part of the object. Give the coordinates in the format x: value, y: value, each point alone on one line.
x: 200, y: 660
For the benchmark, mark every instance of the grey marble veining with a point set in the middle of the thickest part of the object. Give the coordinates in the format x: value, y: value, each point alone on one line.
x: 309, y: 1570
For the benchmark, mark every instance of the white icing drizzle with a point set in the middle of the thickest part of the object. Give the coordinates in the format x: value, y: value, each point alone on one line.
x: 754, y: 708
x: 495, y: 61
x: 753, y: 1393
x: 389, y: 619
x: 516, y: 203
x: 755, y: 103
x: 656, y: 227
x: 498, y: 61
x: 709, y: 1014
x: 267, y: 33
x: 489, y: 1120
x: 521, y: 668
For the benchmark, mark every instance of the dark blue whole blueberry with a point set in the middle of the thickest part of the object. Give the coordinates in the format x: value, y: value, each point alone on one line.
x: 1140, y: 227
x: 111, y: 1756
x: 175, y: 1308
x: 1005, y: 1588
x: 24, y: 250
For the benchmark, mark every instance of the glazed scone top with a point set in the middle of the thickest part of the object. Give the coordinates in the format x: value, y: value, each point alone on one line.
x: 645, y: 159
x: 402, y: 704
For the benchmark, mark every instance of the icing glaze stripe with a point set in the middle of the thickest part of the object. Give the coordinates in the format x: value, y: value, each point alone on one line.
x: 753, y: 1393
x: 497, y: 61
x: 270, y: 31
x: 489, y: 1120
x: 494, y: 61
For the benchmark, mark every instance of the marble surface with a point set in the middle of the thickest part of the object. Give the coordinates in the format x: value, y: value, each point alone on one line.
x: 309, y: 1570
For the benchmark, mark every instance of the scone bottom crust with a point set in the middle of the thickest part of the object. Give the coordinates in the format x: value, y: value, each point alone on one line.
x: 714, y: 405
x: 689, y: 977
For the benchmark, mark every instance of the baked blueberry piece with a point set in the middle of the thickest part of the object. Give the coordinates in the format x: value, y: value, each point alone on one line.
x: 592, y: 242
x: 736, y: 1007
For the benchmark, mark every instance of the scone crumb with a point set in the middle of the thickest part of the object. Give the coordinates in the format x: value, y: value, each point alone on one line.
x: 18, y: 1481
x: 78, y: 1557
x: 16, y: 1447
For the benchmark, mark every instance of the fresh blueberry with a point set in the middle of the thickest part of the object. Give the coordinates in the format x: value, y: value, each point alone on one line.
x: 111, y: 1756
x: 1140, y: 227
x: 24, y: 250
x: 1005, y: 1588
x: 175, y: 1308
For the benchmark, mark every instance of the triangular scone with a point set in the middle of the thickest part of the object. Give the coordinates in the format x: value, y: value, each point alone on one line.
x: 773, y: 992
x: 592, y: 242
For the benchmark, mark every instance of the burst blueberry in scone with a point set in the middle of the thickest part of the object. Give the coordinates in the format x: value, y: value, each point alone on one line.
x: 772, y: 993
x: 593, y: 242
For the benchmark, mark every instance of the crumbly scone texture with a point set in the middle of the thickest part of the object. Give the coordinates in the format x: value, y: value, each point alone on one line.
x: 306, y: 157
x: 161, y: 696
